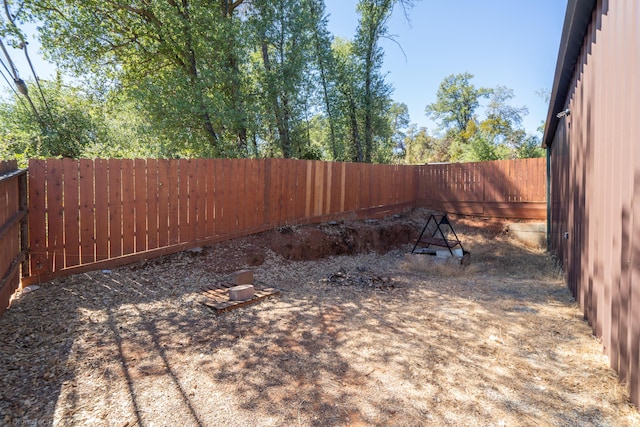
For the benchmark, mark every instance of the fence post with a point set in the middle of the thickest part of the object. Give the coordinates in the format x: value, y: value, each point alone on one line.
x: 24, y: 223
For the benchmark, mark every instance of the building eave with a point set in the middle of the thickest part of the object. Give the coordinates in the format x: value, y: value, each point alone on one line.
x: 576, y: 23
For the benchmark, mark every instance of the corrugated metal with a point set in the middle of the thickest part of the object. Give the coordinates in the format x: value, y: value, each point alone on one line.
x: 595, y: 184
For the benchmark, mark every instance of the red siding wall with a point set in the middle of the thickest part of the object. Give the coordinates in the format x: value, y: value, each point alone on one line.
x: 595, y: 185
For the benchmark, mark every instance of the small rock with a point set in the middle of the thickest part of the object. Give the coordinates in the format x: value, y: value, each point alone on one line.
x: 30, y: 289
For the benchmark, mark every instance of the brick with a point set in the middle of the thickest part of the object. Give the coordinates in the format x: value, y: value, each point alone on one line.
x: 242, y: 277
x: 241, y: 292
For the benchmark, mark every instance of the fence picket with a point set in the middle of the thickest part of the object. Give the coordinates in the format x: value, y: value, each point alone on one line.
x: 104, y: 209
x: 128, y: 207
x: 71, y: 212
x: 192, y: 201
x: 163, y: 202
x: 87, y: 212
x: 37, y: 218
x: 211, y: 198
x: 152, y: 192
x: 115, y: 208
x: 140, y: 204
x: 174, y: 202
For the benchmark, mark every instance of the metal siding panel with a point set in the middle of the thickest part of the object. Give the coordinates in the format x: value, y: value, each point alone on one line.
x: 633, y: 17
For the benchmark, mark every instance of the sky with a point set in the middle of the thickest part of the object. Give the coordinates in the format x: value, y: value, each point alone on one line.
x: 512, y: 43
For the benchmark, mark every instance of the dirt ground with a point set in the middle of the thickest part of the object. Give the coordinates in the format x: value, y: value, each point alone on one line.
x: 360, y: 335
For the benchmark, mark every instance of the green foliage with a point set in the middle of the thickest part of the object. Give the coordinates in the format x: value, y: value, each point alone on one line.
x: 63, y: 127
x: 498, y: 136
x: 74, y: 123
x: 456, y: 101
x: 238, y: 79
x: 178, y: 61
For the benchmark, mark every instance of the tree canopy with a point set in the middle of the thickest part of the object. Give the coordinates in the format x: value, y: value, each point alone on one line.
x: 233, y: 78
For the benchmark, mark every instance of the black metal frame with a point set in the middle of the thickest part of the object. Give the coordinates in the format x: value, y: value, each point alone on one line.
x: 442, y: 241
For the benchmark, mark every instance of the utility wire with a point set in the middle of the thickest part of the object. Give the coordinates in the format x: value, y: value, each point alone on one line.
x: 6, y: 79
x: 26, y: 107
x: 19, y: 83
x: 5, y: 66
x: 44, y: 99
x: 23, y: 45
x: 21, y: 86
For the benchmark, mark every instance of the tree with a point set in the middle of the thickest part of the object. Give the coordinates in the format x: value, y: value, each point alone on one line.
x: 325, y: 63
x: 374, y: 17
x: 456, y: 101
x: 399, y: 122
x: 179, y: 60
x: 503, y: 120
x: 284, y: 31
x: 348, y: 86
x: 419, y: 145
x: 75, y: 123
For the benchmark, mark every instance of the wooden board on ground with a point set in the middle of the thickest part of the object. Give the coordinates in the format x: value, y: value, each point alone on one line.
x: 216, y: 297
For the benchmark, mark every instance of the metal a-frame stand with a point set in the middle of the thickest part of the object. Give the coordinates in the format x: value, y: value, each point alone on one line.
x: 438, y: 231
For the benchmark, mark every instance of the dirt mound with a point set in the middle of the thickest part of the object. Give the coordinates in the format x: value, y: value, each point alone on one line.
x: 313, y: 242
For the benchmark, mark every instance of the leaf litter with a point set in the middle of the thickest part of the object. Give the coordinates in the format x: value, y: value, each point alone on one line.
x: 372, y: 338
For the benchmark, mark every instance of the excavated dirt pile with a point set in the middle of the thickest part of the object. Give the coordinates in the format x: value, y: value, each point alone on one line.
x: 313, y: 242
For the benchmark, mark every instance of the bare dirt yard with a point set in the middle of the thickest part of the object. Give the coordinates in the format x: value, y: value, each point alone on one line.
x: 359, y: 335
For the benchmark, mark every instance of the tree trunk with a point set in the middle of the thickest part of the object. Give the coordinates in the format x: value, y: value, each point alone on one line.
x: 239, y: 128
x: 325, y: 91
x: 368, y: 106
x: 192, y: 70
x: 281, y: 114
x: 356, y: 155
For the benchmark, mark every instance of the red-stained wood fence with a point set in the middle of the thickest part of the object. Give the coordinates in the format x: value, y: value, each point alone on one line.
x: 93, y: 214
x: 503, y: 188
x: 13, y: 228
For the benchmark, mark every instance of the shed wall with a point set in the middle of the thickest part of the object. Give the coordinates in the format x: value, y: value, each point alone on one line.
x: 595, y: 185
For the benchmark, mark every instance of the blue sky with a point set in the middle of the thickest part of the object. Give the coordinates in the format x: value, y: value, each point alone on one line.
x: 512, y: 43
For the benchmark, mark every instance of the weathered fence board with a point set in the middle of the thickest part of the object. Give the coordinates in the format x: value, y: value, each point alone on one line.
x: 98, y: 213
x: 503, y: 188
x: 13, y: 228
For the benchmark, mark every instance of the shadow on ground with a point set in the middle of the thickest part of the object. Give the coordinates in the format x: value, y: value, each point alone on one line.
x: 497, y: 342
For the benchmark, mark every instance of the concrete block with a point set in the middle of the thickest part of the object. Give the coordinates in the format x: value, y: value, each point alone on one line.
x: 530, y: 233
x: 242, y: 277
x: 241, y: 292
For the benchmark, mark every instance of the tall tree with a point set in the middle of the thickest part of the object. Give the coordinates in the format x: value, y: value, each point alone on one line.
x: 348, y: 72
x: 179, y: 59
x: 456, y: 101
x: 284, y: 32
x: 326, y: 69
x: 374, y: 18
x: 399, y: 121
x: 502, y: 118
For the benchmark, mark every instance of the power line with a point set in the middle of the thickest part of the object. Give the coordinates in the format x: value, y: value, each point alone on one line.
x: 44, y: 99
x: 5, y: 67
x: 21, y: 86
x: 14, y: 91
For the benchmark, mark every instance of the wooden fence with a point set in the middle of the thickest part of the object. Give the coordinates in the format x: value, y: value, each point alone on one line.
x: 13, y: 221
x: 92, y: 214
x: 503, y: 188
